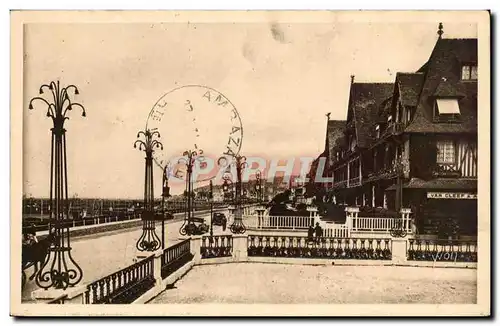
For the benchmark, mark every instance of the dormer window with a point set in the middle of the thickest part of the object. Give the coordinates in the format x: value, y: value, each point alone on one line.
x: 469, y: 72
x: 377, y: 131
x: 446, y: 110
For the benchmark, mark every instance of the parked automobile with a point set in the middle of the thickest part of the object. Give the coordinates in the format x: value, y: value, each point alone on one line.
x: 220, y: 219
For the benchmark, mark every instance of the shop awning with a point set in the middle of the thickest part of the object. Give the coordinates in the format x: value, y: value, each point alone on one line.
x: 440, y: 183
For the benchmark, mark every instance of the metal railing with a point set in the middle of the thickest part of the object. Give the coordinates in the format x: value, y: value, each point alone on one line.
x: 90, y: 220
x: 442, y: 250
x: 216, y: 246
x: 281, y: 222
x: 326, y: 248
x: 379, y: 224
x: 354, y: 182
x: 175, y: 257
x: 124, y: 286
x: 336, y: 230
x: 340, y: 184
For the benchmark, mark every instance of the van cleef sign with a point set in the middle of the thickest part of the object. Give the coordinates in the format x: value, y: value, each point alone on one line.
x: 451, y: 195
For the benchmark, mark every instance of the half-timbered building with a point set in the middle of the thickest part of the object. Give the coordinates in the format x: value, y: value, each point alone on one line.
x: 413, y: 143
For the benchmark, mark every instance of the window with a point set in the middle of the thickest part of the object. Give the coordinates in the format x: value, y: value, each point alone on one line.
x: 469, y: 72
x: 445, y: 152
x: 446, y: 109
x: 377, y: 131
x: 389, y: 118
x: 408, y: 115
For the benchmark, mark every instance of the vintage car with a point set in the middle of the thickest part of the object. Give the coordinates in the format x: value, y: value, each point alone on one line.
x: 220, y: 219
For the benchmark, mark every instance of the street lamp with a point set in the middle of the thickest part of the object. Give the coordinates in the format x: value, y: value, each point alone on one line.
x: 59, y: 270
x: 189, y: 159
x: 211, y: 198
x: 240, y: 163
x: 258, y: 186
x: 149, y: 240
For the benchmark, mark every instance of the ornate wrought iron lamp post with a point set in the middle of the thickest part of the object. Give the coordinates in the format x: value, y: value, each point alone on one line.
x: 149, y: 240
x: 189, y: 158
x: 59, y: 270
x: 240, y: 163
x: 258, y: 186
x: 211, y: 198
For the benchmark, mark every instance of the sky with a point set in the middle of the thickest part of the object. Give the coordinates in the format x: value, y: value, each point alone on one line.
x: 282, y: 78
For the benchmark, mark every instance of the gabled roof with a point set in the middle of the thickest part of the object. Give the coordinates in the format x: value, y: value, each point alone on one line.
x: 410, y: 85
x: 384, y: 110
x: 443, y: 79
x: 334, y: 132
x: 365, y: 100
x: 447, y: 89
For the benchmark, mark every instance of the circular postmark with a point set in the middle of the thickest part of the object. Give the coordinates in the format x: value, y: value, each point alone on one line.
x: 195, y: 118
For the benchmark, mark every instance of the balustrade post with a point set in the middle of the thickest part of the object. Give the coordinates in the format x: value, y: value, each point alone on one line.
x: 240, y: 247
x: 195, y: 247
x: 157, y: 265
x: 405, y: 215
x: 352, y: 217
x: 399, y: 250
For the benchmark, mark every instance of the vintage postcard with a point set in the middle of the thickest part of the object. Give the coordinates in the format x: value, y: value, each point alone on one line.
x: 250, y: 163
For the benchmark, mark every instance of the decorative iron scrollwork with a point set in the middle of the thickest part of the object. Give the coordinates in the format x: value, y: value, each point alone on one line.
x: 149, y: 240
x: 398, y: 231
x: 59, y: 270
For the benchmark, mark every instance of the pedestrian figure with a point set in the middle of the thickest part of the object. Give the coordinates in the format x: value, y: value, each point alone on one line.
x: 29, y: 236
x: 310, y: 234
x: 318, y: 231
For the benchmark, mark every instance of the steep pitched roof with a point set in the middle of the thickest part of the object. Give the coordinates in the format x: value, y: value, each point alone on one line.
x: 365, y: 100
x: 334, y: 132
x: 443, y: 79
x: 385, y: 109
x: 410, y: 85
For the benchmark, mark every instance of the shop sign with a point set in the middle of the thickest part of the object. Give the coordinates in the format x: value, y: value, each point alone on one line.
x: 451, y: 195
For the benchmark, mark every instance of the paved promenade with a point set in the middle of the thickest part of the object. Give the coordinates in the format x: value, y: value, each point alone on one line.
x: 101, y: 254
x: 299, y: 284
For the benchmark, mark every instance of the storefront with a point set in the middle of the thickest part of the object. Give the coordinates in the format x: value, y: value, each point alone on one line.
x: 442, y: 207
x: 446, y: 210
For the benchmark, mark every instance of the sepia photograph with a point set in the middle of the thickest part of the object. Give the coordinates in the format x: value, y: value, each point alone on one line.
x: 245, y: 163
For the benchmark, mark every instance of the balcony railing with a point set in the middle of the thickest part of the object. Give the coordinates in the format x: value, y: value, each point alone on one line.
x: 339, y: 184
x: 354, y: 182
x: 387, y: 172
x: 394, y: 128
x: 449, y: 170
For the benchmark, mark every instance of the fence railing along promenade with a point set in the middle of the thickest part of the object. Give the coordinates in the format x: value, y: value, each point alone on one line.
x: 150, y: 276
x: 123, y: 286
x: 304, y: 247
x: 353, y: 223
x: 109, y: 218
x: 130, y: 283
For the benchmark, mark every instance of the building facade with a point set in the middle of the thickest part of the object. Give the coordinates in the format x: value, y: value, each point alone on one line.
x: 413, y: 143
